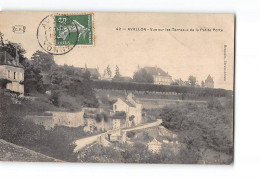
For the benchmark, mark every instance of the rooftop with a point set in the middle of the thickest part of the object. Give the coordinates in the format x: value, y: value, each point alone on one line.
x: 156, y: 71
x: 94, y: 72
x: 7, y: 59
x: 154, y: 141
x: 127, y: 102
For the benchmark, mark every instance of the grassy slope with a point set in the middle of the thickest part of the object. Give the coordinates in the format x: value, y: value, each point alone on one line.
x: 12, y: 152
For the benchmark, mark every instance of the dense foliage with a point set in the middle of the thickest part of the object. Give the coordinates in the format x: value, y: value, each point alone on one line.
x: 129, y: 86
x: 71, y: 87
x: 56, y: 142
x: 202, y: 127
x: 192, y: 80
x: 136, y: 153
x: 142, y: 76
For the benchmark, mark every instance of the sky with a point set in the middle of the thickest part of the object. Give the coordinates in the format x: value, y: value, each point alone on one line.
x: 180, y: 53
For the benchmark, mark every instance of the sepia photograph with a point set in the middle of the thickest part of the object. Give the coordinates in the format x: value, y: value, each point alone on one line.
x: 103, y: 87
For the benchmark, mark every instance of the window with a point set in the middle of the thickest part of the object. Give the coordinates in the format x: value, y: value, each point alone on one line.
x: 115, y: 107
x: 8, y: 73
x: 14, y: 75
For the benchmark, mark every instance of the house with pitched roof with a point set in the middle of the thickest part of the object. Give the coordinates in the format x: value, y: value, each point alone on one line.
x: 132, y: 109
x: 160, y: 77
x: 12, y: 72
x: 154, y: 146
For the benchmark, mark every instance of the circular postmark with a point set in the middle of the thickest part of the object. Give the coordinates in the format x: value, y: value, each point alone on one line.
x: 57, y: 34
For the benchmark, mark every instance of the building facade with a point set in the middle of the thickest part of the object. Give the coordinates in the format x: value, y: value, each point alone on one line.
x: 12, y: 72
x: 116, y: 123
x: 154, y: 146
x: 160, y: 77
x: 95, y: 121
x: 132, y: 109
x: 209, y: 82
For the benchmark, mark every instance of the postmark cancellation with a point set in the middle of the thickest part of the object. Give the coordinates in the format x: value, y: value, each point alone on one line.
x: 59, y: 33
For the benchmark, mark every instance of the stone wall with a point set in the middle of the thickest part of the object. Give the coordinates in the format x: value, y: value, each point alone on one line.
x: 69, y: 119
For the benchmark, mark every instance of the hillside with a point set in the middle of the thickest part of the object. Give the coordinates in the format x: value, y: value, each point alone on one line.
x: 12, y: 152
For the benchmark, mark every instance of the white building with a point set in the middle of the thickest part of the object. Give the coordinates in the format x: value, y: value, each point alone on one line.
x: 154, y: 146
x: 132, y: 109
x: 116, y: 123
x: 160, y: 77
x: 12, y: 71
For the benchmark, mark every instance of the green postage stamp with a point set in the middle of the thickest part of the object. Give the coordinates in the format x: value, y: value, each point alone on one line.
x: 71, y: 29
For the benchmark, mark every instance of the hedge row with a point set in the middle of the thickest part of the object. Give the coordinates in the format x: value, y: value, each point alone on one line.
x: 131, y: 86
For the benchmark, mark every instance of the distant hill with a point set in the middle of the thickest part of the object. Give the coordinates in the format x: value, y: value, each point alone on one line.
x: 12, y: 152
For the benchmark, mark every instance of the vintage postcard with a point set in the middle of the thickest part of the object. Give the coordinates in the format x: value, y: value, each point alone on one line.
x: 116, y: 87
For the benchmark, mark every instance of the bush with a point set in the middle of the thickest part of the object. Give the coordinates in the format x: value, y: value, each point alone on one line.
x: 68, y: 102
x: 130, y: 134
x: 98, y: 118
x: 92, y: 103
x: 174, y: 119
x: 214, y: 104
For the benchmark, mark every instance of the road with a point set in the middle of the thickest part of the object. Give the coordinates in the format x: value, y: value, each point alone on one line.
x: 81, y: 143
x: 144, y: 126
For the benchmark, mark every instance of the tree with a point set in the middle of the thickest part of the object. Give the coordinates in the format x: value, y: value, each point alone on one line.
x: 202, y: 84
x: 142, y: 76
x: 109, y: 73
x: 174, y: 119
x: 66, y: 82
x: 44, y: 61
x: 192, y: 80
x: 1, y: 39
x: 117, y: 73
x: 179, y: 82
x: 33, y: 82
